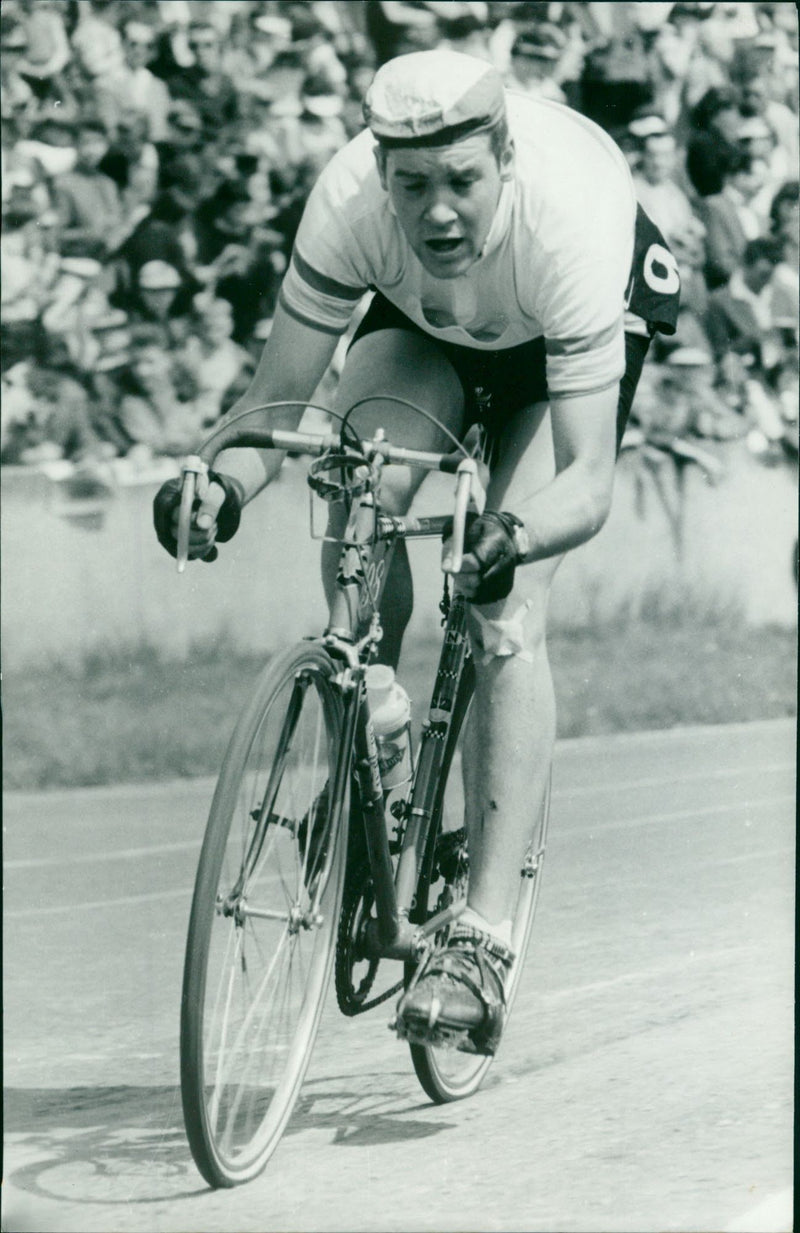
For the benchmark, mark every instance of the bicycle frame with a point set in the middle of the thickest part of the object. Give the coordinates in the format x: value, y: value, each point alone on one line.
x: 367, y: 547
x: 368, y: 544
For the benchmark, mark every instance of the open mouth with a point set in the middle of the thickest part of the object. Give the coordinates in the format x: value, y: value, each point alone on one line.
x: 445, y: 247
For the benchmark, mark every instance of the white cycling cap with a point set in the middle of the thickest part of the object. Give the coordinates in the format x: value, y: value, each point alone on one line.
x: 433, y: 98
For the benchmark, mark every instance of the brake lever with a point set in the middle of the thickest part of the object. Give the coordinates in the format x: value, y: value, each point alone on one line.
x: 192, y: 467
x: 469, y: 490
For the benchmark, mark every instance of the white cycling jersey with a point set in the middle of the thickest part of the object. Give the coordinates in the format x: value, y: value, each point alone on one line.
x: 556, y: 262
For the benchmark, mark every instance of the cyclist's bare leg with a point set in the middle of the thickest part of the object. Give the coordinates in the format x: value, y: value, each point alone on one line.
x: 409, y: 366
x: 512, y: 725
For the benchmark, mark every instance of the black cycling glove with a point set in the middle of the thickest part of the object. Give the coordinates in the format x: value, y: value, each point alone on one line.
x: 168, y: 498
x: 493, y: 539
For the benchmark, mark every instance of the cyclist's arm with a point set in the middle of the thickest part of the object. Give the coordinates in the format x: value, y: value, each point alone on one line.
x: 292, y: 364
x: 575, y: 504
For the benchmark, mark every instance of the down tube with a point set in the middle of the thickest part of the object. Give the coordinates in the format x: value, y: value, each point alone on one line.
x: 433, y: 745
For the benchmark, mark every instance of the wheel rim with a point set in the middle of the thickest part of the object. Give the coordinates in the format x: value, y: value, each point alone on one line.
x: 270, y: 936
x: 455, y: 1074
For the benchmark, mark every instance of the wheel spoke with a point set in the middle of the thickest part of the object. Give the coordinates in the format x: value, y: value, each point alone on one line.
x: 261, y: 941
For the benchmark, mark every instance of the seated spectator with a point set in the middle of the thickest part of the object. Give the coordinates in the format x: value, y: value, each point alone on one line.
x: 757, y: 140
x: 157, y: 410
x: 203, y: 84
x: 15, y: 93
x: 466, y: 30
x: 88, y: 202
x: 50, y: 145
x: 535, y: 55
x: 730, y: 217
x: 670, y: 209
x: 680, y: 399
x: 313, y: 137
x: 132, y: 163
x: 755, y: 100
x: 785, y: 230
x: 214, y: 359
x: 50, y: 414
x: 133, y: 87
x: 97, y: 56
x: 49, y: 50
x: 712, y: 141
x: 28, y: 278
x: 746, y: 340
x: 165, y: 234
x: 162, y: 302
x: 394, y: 27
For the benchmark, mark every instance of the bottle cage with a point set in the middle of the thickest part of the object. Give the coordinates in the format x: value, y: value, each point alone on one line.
x: 340, y: 473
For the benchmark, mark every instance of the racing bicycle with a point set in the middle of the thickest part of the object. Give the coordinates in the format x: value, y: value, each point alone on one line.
x: 308, y: 866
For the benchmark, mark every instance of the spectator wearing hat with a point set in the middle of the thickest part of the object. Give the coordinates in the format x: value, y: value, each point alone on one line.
x: 161, y: 302
x: 203, y: 84
x: 166, y: 234
x: 732, y: 217
x: 712, y: 141
x: 133, y: 87
x: 535, y: 56
x: 87, y: 201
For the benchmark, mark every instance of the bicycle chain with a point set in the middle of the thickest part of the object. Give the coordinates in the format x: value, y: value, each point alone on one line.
x: 356, y: 906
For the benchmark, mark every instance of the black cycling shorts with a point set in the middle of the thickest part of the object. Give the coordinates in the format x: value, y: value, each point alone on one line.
x: 512, y: 379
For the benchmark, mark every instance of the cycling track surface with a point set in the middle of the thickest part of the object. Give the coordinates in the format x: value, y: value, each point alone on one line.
x: 645, y: 1081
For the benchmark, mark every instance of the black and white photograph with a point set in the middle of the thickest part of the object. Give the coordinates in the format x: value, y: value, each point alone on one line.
x: 399, y: 475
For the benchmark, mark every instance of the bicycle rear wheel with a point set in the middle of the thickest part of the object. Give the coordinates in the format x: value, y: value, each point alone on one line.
x: 263, y: 923
x: 447, y: 1074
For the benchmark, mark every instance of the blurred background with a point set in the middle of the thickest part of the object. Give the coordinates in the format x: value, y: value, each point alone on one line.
x: 156, y: 157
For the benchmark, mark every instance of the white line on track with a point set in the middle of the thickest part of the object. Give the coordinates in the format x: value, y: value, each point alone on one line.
x: 123, y: 901
x: 683, y: 815
x: 645, y: 974
x: 658, y: 781
x: 94, y: 858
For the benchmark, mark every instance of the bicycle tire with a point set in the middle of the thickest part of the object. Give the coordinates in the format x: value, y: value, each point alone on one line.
x: 263, y: 922
x: 446, y: 1074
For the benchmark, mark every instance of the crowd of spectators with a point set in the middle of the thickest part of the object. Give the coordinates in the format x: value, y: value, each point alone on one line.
x: 156, y: 157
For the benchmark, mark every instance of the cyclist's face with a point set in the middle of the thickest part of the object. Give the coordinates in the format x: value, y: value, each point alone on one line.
x: 445, y: 199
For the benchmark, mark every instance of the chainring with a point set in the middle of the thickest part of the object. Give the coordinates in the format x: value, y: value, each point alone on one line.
x: 357, y: 904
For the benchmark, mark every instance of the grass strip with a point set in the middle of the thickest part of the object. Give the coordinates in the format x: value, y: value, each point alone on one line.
x: 130, y: 716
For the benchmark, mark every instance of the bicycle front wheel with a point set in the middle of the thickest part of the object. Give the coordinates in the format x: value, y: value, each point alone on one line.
x: 263, y: 923
x: 447, y: 1074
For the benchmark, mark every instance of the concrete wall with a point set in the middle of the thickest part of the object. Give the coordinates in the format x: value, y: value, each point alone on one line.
x: 69, y: 586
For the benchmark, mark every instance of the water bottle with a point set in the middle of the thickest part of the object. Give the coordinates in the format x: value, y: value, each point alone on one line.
x: 390, y: 707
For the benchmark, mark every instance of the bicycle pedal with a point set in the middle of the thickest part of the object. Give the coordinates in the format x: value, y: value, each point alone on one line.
x: 433, y: 1038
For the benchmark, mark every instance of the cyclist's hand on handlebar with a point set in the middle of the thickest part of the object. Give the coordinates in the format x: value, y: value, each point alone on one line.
x: 215, y: 517
x: 494, y: 545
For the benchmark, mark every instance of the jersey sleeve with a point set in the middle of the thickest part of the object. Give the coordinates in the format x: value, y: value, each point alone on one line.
x: 327, y: 273
x: 583, y: 321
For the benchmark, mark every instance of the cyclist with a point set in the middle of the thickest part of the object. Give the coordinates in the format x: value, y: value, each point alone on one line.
x: 501, y: 237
